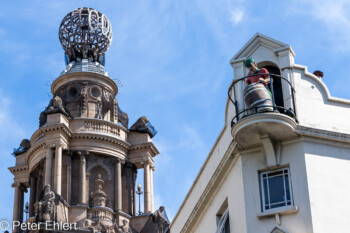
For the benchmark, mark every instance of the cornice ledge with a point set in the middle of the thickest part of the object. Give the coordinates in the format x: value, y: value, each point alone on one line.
x: 320, y: 133
x: 100, y: 137
x: 145, y: 146
x: 81, y: 76
x: 57, y: 127
x: 17, y: 169
x: 40, y: 133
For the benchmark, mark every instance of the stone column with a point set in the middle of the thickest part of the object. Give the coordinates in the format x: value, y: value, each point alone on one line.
x: 38, y: 189
x: 134, y: 176
x: 32, y: 197
x: 69, y: 179
x: 21, y: 202
x: 146, y: 184
x: 118, y: 185
x: 82, y: 178
x: 151, y: 182
x: 58, y: 169
x: 48, y: 166
x: 16, y: 204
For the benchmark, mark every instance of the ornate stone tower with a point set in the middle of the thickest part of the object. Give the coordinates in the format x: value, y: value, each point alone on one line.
x: 81, y: 164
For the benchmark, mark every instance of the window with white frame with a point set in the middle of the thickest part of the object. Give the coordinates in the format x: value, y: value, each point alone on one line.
x: 276, y: 189
x: 224, y: 224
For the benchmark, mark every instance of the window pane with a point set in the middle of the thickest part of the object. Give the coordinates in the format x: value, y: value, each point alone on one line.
x: 278, y: 173
x: 286, y: 179
x: 227, y: 226
x: 277, y: 205
x: 276, y: 189
x: 266, y: 200
x: 222, y: 225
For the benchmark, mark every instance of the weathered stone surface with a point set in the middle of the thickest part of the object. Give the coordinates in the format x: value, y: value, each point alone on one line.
x: 83, y: 153
x: 142, y: 125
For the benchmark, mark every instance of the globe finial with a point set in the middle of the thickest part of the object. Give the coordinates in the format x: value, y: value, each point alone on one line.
x: 85, y: 33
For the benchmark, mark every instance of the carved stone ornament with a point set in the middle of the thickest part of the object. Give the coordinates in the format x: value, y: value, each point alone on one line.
x: 98, y: 111
x: 88, y: 223
x: 99, y: 197
x: 161, y: 219
x: 42, y: 118
x: 123, y: 118
x: 142, y: 125
x: 45, y: 209
x: 23, y: 147
x: 97, y: 221
x: 125, y: 228
x: 56, y: 106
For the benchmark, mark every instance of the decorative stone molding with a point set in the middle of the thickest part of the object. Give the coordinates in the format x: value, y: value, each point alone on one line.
x: 18, y: 169
x: 34, y: 149
x: 102, y: 126
x: 40, y: 134
x: 320, y: 133
x: 92, y: 78
x: 228, y: 159
x: 104, y: 138
x: 97, y: 160
x: 99, y: 197
x: 145, y: 146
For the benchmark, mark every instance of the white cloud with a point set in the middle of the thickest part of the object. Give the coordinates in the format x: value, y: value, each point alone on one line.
x: 333, y: 15
x: 236, y: 16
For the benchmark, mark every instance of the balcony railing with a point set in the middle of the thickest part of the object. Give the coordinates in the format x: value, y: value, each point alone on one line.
x: 282, y: 96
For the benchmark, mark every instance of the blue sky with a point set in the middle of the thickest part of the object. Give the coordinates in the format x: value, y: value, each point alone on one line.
x: 172, y: 60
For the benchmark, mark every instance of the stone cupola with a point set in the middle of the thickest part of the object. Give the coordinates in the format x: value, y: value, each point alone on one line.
x: 84, y: 148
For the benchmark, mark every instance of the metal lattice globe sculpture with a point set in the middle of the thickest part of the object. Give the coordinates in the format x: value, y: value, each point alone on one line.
x: 85, y: 33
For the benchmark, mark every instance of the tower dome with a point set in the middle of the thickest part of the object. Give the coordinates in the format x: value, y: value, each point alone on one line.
x: 85, y: 33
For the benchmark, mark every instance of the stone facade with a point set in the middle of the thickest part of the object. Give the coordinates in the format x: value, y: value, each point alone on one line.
x: 81, y: 163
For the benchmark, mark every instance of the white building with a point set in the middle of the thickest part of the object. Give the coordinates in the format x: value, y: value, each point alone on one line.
x: 275, y: 171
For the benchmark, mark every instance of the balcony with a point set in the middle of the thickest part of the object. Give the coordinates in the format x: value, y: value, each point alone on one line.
x: 261, y: 111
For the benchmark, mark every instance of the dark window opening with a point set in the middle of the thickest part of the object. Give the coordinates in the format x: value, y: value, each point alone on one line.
x: 277, y: 86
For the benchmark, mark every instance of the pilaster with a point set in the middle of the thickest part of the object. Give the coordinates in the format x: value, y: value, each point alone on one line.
x: 118, y: 185
x: 48, y: 165
x: 58, y: 168
x: 147, y: 187
x: 82, y: 178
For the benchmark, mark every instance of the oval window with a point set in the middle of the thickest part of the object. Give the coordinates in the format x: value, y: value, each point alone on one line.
x: 95, y: 91
x: 73, y: 92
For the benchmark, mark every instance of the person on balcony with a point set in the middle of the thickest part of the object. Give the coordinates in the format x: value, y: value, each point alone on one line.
x: 254, y: 70
x: 254, y: 96
x: 253, y: 76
